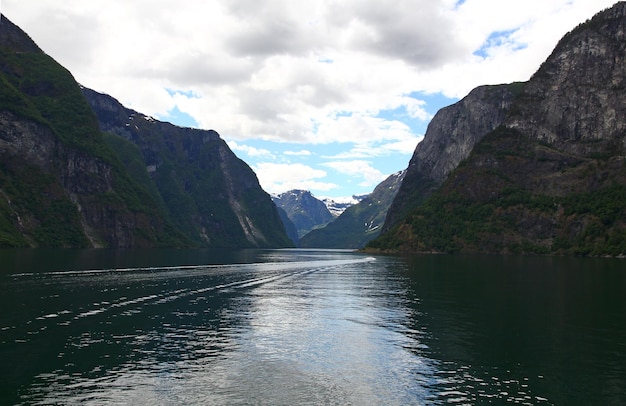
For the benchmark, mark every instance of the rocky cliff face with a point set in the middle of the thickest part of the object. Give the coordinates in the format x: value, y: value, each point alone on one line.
x: 56, y: 173
x: 359, y: 223
x: 575, y: 101
x: 552, y: 177
x: 449, y: 139
x: 210, y: 194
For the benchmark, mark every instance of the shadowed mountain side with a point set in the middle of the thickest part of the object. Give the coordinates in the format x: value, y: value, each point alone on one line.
x: 210, y: 194
x: 60, y: 185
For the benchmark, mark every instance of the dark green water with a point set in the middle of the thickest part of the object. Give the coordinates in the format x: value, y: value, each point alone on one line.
x: 309, y: 327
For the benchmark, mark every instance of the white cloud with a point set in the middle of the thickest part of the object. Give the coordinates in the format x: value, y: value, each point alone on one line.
x: 360, y: 129
x: 370, y: 148
x: 285, y: 70
x: 314, y: 72
x: 403, y: 146
x: 250, y: 151
x: 278, y: 178
x: 302, y: 152
x: 358, y: 169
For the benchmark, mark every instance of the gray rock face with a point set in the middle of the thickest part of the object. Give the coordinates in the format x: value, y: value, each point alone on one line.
x: 550, y: 179
x: 33, y: 141
x: 576, y: 98
x: 65, y: 176
x: 455, y: 129
x: 449, y: 139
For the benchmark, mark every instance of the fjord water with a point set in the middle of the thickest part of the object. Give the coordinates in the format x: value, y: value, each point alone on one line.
x: 309, y: 327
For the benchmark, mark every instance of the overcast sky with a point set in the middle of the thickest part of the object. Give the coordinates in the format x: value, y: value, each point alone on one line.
x: 326, y: 95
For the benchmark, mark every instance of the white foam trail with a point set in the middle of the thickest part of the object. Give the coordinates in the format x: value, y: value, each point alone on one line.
x: 297, y: 268
x: 269, y: 265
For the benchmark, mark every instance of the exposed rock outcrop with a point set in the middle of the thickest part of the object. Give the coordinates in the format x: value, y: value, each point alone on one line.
x: 60, y: 185
x: 449, y: 139
x: 552, y: 178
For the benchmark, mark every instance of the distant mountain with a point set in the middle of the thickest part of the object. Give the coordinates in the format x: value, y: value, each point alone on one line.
x: 549, y: 179
x: 337, y: 207
x: 304, y: 210
x: 63, y: 183
x: 359, y: 223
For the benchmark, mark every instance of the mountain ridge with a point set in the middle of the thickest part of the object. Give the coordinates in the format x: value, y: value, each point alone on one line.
x: 60, y: 184
x: 551, y: 178
x: 210, y: 194
x: 449, y: 139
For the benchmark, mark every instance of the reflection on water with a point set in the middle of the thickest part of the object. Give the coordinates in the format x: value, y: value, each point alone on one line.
x: 309, y: 327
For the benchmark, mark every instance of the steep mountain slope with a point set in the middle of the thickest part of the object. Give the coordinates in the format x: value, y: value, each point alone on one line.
x: 290, y: 228
x: 552, y: 178
x: 359, y: 223
x: 449, y: 139
x: 304, y: 210
x: 210, y: 194
x: 60, y: 185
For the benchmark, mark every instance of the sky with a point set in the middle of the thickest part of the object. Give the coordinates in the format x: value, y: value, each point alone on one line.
x: 330, y: 96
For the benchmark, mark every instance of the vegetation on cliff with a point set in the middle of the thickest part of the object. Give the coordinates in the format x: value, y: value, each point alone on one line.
x: 551, y: 179
x: 208, y: 193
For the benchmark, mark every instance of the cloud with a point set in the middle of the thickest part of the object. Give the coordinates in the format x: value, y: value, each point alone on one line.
x: 406, y: 146
x: 364, y: 151
x: 278, y: 178
x: 302, y: 152
x: 358, y: 168
x: 360, y: 129
x: 250, y: 151
x: 417, y: 32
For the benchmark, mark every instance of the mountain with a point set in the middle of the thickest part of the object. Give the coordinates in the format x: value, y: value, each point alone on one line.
x: 359, y: 223
x: 304, y: 210
x: 60, y: 185
x: 209, y: 193
x: 449, y: 139
x: 551, y: 178
x: 290, y: 228
x: 337, y: 207
x: 65, y: 183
